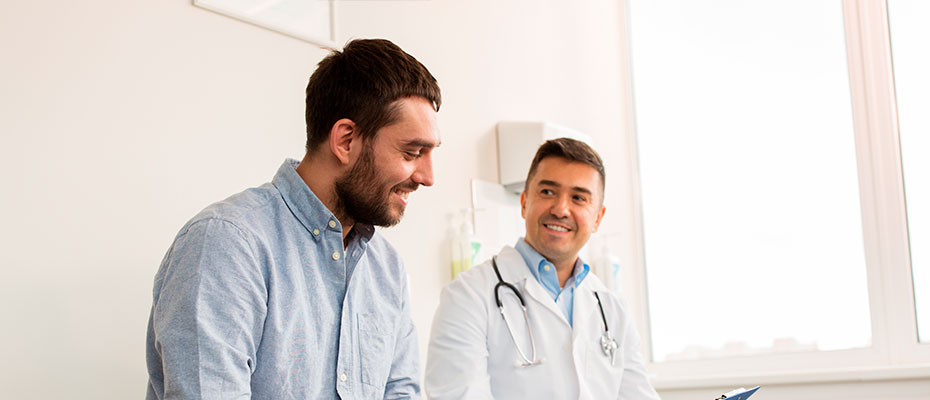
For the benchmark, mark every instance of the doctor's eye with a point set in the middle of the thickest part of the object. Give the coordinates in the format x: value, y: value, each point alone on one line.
x: 546, y: 192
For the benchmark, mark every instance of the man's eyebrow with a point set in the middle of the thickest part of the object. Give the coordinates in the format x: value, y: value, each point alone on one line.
x: 582, y: 189
x: 421, y: 143
x: 547, y: 182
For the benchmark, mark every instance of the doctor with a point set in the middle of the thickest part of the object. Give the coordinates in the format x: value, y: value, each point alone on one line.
x: 574, y: 340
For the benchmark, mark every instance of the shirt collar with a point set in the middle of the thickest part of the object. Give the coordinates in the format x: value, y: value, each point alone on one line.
x: 307, y: 208
x: 536, y: 262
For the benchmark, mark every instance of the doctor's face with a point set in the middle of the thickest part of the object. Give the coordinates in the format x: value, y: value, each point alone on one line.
x: 562, y: 206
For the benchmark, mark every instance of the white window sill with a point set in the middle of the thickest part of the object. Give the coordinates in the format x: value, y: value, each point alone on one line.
x: 885, y: 373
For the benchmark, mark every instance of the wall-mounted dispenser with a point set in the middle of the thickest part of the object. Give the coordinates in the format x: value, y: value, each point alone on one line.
x: 517, y: 143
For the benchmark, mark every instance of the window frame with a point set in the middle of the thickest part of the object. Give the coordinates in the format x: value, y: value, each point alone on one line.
x: 896, y: 352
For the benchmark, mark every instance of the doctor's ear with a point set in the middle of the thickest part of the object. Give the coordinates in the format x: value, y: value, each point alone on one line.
x: 600, y: 216
x: 342, y: 137
x: 523, y: 204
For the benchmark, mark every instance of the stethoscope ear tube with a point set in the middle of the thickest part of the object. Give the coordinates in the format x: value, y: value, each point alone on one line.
x: 501, y: 282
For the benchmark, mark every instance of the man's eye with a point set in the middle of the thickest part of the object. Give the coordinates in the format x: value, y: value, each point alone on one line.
x: 411, y: 155
x: 581, y: 199
x: 546, y: 191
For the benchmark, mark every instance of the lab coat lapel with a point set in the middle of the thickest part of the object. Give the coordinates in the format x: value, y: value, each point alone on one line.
x: 584, y: 307
x: 539, y: 294
x: 518, y: 273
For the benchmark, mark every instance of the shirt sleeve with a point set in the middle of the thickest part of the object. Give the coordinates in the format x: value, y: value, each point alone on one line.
x: 635, y: 384
x: 457, y: 364
x: 404, y: 379
x: 209, y: 313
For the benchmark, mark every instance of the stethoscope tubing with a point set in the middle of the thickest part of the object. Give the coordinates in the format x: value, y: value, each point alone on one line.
x: 603, y: 316
x: 527, y: 361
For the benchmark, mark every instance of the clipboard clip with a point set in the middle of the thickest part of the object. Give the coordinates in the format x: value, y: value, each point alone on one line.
x: 738, y: 394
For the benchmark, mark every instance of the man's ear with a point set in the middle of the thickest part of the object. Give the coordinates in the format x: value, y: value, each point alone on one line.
x: 600, y: 215
x: 343, y: 137
x: 523, y: 204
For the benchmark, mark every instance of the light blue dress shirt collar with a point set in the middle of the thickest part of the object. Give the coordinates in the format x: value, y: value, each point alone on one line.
x: 307, y: 207
x: 547, y: 276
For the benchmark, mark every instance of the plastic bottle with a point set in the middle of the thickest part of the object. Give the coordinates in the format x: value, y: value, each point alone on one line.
x: 465, y: 245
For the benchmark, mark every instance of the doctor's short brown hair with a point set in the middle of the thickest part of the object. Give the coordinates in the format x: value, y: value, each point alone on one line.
x: 570, y: 150
x: 362, y: 83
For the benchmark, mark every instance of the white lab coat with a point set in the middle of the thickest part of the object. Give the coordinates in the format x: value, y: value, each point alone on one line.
x: 471, y: 354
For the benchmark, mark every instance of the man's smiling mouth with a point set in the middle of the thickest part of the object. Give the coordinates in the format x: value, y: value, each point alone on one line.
x: 557, y: 228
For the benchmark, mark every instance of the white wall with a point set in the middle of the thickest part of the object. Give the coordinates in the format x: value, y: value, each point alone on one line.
x: 121, y: 119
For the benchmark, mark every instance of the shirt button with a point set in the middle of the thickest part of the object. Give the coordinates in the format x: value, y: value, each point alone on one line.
x: 343, y: 377
x: 546, y: 268
x: 335, y: 255
x: 316, y: 232
x: 332, y: 223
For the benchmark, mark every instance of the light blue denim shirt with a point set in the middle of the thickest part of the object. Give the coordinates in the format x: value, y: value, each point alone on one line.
x: 258, y: 299
x: 545, y: 273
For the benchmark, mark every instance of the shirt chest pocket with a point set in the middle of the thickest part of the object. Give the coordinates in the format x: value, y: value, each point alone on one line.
x: 376, y: 348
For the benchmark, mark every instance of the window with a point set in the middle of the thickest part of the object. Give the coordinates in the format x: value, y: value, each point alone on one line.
x: 749, y: 182
x: 773, y: 221
x: 909, y: 31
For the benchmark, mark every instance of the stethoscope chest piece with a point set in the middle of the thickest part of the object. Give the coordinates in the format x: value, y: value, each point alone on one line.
x: 609, y: 346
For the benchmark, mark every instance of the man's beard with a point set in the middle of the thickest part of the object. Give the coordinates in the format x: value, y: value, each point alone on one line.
x: 363, y: 195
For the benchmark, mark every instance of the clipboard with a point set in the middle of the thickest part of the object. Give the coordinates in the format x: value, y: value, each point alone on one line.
x: 738, y: 394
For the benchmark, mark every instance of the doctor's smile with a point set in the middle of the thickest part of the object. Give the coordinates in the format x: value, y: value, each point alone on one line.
x: 557, y: 228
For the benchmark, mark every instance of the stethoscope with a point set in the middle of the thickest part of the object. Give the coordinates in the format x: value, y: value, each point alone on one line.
x: 608, y: 345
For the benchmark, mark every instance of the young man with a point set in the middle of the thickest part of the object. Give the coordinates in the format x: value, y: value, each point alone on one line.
x: 285, y: 291
x: 573, y: 340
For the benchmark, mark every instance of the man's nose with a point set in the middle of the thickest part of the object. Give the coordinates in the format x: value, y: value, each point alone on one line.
x: 560, y: 207
x: 424, y: 172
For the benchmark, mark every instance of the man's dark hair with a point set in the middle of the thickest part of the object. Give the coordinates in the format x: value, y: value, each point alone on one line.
x: 362, y: 83
x: 569, y: 150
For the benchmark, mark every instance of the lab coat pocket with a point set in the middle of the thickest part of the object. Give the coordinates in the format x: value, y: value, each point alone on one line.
x: 604, y: 378
x: 376, y: 347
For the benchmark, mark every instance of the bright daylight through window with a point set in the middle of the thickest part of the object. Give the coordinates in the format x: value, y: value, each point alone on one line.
x: 909, y: 32
x: 751, y: 215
